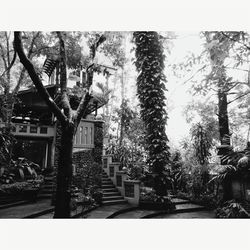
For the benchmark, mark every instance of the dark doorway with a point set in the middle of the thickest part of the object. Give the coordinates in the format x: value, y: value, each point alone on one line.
x: 33, y: 150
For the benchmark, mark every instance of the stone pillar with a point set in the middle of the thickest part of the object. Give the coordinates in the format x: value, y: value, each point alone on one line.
x: 114, y: 167
x: 132, y: 191
x: 121, y: 177
x: 106, y: 160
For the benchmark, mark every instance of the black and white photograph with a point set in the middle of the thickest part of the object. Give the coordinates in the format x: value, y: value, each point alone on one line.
x: 138, y: 126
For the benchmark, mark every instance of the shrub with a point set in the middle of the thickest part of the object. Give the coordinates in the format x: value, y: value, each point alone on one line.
x: 19, y: 188
x: 96, y: 193
x: 21, y: 169
x: 131, y: 158
x: 231, y: 209
x: 149, y: 199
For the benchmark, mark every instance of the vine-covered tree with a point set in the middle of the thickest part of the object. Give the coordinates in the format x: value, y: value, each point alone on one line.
x: 151, y: 81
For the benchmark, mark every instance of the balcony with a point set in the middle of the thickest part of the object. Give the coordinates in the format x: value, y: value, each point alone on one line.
x: 31, y: 130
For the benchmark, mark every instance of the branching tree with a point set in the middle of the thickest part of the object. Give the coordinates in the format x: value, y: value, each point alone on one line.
x: 68, y: 119
x: 150, y: 87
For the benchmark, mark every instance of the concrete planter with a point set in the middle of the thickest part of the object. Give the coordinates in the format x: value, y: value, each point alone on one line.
x: 132, y: 191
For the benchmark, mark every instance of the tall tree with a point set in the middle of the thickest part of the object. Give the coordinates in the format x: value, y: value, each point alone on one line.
x: 218, y: 47
x: 150, y: 87
x: 68, y: 119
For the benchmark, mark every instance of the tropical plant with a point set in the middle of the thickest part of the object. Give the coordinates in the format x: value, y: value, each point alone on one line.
x: 19, y: 170
x: 231, y: 209
x: 201, y: 143
x: 131, y: 158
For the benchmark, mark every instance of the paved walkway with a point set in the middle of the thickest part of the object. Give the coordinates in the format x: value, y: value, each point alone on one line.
x: 191, y: 215
x: 22, y: 211
x: 104, y: 211
x: 185, y: 210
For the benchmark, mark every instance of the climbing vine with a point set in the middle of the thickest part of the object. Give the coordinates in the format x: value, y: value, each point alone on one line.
x: 202, y: 143
x: 151, y: 81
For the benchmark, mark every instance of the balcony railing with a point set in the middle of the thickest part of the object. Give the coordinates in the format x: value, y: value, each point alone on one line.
x: 26, y: 129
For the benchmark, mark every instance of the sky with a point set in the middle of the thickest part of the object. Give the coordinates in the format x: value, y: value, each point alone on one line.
x: 178, y: 95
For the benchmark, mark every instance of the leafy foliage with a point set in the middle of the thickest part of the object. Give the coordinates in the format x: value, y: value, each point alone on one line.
x: 129, y: 156
x: 150, y: 88
x: 18, y: 188
x: 150, y: 197
x: 238, y: 164
x: 21, y: 169
x: 201, y: 143
x: 231, y: 209
x: 6, y: 142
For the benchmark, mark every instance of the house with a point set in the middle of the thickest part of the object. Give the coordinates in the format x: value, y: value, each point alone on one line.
x: 38, y: 133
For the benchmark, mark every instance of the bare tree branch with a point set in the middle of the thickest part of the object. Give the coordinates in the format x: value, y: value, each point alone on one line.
x: 3, y: 57
x: 29, y: 55
x: 82, y: 108
x: 63, y: 78
x: 36, y: 79
x: 239, y: 97
x: 11, y: 64
x: 190, y: 78
x: 233, y: 86
x: 235, y: 40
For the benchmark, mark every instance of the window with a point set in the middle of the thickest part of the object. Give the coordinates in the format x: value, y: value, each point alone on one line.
x: 86, y: 135
x: 33, y: 130
x: 81, y: 135
x: 91, y: 135
x: 43, y: 130
x: 75, y: 142
x: 23, y: 128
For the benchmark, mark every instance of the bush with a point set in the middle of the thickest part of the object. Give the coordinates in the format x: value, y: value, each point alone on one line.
x: 19, y: 188
x: 150, y: 200
x: 231, y: 209
x: 131, y: 158
x: 88, y: 176
x: 21, y: 169
x: 96, y: 193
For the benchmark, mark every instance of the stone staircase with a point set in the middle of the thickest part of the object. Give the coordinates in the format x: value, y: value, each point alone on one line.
x: 48, y: 188
x: 111, y: 195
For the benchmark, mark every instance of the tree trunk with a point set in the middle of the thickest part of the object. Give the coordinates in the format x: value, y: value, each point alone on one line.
x: 223, y: 118
x: 122, y: 108
x: 64, y: 174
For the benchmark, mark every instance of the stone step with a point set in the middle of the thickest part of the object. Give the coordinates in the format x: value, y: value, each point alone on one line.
x: 109, y: 198
x: 44, y: 196
x: 110, y: 193
x: 189, y: 207
x: 47, y: 191
x: 105, y: 178
x: 48, y: 187
x: 109, y: 182
x: 46, y: 179
x: 113, y: 189
x: 49, y: 183
x: 106, y: 203
x: 108, y: 186
x: 14, y: 204
x: 178, y: 201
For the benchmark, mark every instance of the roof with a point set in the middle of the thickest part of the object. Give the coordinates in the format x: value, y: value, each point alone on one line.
x: 31, y: 100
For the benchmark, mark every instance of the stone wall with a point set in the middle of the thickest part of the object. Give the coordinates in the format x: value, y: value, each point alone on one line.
x: 98, y: 142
